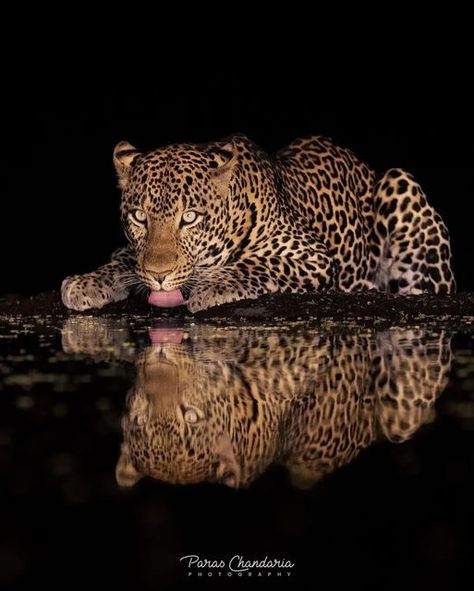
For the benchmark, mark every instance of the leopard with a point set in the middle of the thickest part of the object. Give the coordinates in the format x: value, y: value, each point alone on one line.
x: 212, y: 223
x: 224, y: 406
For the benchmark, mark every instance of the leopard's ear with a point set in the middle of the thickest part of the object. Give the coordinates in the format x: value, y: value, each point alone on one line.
x: 224, y: 160
x: 222, y: 155
x: 228, y: 469
x: 124, y: 155
x: 125, y: 472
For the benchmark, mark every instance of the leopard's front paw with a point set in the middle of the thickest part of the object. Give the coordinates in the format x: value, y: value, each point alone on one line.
x: 202, y: 300
x: 82, y: 292
x: 195, y: 305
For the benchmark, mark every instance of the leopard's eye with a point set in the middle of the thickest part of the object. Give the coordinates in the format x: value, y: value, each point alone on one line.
x: 189, y: 217
x: 139, y: 215
x: 191, y: 416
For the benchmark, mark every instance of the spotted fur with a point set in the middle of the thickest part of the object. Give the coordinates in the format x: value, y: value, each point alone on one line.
x: 313, y: 217
x: 222, y: 407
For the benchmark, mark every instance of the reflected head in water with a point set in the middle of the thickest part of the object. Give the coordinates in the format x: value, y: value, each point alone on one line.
x: 222, y: 405
x: 169, y: 424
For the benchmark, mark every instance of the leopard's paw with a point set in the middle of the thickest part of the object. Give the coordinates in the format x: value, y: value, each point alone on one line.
x: 202, y: 300
x: 83, y: 292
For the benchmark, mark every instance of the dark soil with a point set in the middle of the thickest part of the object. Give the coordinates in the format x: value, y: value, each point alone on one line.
x: 370, y: 309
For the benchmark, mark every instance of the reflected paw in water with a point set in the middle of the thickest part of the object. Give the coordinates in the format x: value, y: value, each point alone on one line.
x: 102, y: 338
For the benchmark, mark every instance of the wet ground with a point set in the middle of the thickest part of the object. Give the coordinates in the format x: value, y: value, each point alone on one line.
x: 332, y: 433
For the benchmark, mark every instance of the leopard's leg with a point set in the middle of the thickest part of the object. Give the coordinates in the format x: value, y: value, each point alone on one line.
x: 110, y: 283
x: 410, y: 242
x: 258, y: 274
x: 410, y: 370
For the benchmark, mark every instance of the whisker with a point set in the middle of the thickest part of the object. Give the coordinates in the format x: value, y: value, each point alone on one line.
x: 126, y: 274
x: 122, y: 284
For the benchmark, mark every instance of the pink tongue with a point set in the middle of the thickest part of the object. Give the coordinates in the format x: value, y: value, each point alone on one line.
x: 166, y: 299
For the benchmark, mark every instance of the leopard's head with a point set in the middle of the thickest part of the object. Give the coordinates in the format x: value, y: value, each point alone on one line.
x: 180, y: 209
x: 176, y: 427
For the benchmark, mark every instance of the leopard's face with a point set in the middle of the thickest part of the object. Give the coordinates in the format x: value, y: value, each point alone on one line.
x: 172, y: 430
x: 174, y: 210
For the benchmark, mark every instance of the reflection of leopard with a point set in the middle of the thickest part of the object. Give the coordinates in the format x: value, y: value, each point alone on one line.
x: 226, y: 405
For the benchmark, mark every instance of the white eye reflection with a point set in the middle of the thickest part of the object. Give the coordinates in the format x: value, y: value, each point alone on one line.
x: 191, y: 416
x: 189, y: 216
x: 138, y: 215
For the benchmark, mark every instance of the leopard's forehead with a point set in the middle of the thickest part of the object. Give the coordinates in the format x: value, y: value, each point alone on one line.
x: 179, y: 158
x: 171, y: 178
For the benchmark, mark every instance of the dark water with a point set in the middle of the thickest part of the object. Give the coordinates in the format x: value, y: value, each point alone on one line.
x: 343, y: 453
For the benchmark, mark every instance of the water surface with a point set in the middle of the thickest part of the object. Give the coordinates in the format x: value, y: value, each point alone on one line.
x: 126, y: 445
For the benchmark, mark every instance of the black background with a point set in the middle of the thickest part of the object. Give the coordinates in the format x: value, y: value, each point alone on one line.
x: 394, y: 102
x: 397, y: 96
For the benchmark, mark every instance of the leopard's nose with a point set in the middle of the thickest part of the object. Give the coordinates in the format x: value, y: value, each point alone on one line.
x: 161, y: 275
